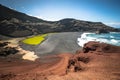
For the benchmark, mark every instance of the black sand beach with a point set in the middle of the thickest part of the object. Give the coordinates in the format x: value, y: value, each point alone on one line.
x: 56, y: 43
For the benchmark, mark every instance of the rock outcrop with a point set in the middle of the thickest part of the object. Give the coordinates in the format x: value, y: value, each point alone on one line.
x: 5, y: 50
x: 79, y: 61
x: 100, y: 48
x: 102, y: 31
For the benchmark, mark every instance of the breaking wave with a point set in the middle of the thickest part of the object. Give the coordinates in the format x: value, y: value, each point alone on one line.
x: 110, y: 38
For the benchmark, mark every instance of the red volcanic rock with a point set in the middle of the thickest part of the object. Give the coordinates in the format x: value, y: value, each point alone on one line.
x: 100, y: 48
x: 73, y: 65
x: 79, y: 61
x: 7, y: 76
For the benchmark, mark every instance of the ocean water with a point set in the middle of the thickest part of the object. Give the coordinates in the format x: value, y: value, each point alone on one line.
x: 109, y: 38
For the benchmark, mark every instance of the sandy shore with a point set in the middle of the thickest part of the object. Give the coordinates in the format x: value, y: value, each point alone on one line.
x: 96, y: 61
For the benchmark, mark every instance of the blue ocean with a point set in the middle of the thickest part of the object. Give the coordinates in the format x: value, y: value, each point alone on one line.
x: 109, y: 38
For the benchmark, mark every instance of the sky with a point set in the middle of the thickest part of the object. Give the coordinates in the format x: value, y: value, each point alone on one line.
x: 106, y: 11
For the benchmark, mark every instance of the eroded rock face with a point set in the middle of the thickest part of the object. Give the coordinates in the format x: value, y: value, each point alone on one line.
x: 77, y: 62
x: 100, y: 48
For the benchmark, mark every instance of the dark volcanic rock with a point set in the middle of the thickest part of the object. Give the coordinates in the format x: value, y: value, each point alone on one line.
x: 13, y: 29
x: 102, y: 31
x: 5, y: 50
x: 17, y: 24
x: 3, y: 44
x: 7, y: 14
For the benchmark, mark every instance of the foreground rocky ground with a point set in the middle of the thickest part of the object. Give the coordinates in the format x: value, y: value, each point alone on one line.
x: 96, y: 61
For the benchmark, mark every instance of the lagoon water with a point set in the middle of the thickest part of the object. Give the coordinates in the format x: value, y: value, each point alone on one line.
x: 110, y: 38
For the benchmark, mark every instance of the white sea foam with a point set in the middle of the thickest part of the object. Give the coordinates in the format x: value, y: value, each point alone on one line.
x: 111, y: 36
x: 84, y: 39
x: 113, y: 40
x: 105, y: 38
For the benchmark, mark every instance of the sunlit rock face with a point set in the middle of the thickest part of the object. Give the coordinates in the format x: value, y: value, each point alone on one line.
x: 100, y: 48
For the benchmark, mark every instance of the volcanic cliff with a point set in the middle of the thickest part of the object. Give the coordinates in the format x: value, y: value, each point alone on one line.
x: 17, y: 24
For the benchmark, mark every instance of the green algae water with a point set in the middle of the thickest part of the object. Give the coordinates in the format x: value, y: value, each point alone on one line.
x: 35, y: 40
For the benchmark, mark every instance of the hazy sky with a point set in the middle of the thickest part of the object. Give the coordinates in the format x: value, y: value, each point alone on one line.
x: 106, y: 11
